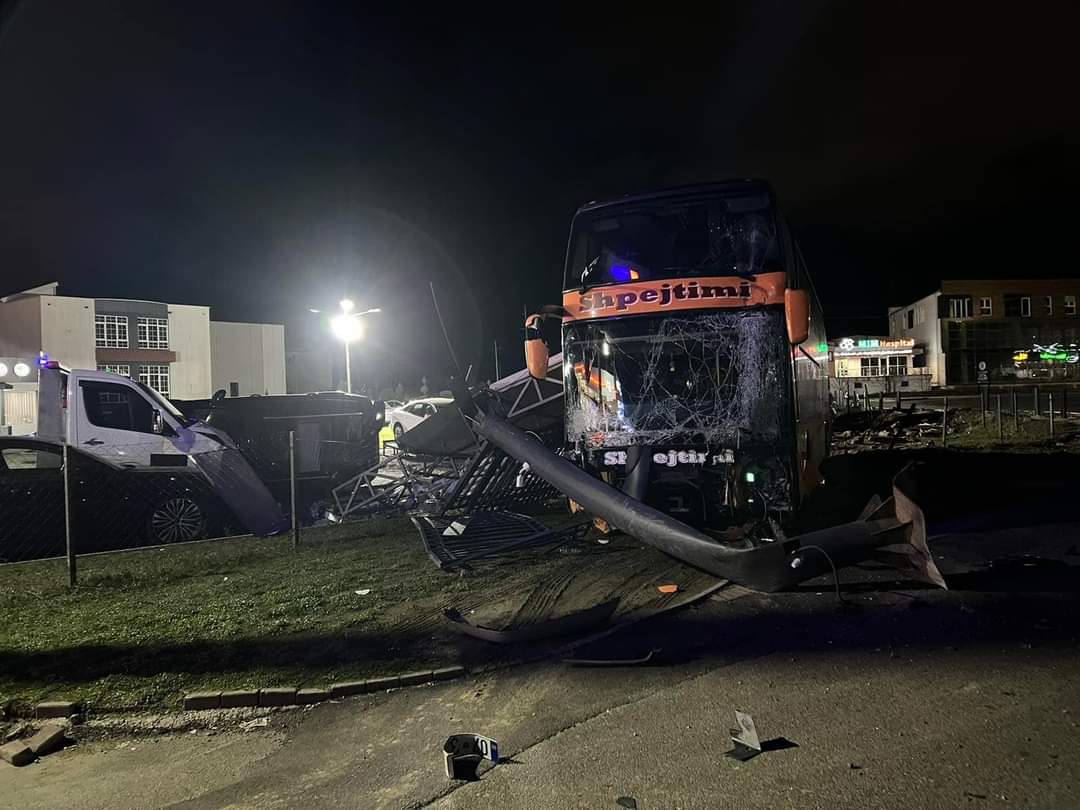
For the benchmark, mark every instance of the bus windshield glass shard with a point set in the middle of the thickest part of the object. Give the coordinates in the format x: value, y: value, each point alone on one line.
x: 715, y: 377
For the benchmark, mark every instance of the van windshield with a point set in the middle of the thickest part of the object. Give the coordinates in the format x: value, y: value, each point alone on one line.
x: 164, y: 404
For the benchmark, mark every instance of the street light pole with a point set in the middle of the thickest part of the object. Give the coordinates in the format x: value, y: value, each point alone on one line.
x: 348, y: 369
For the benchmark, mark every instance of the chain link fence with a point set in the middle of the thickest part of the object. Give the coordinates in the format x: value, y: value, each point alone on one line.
x: 61, y: 501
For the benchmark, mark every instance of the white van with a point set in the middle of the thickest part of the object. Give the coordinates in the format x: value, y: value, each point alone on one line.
x: 131, y: 425
x: 119, y: 419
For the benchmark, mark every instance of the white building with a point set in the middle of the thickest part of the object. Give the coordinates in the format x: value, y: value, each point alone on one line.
x: 173, y: 348
x: 247, y: 358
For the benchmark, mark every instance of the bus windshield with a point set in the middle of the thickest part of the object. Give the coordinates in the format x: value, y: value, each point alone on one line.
x: 733, y: 234
x: 703, y: 378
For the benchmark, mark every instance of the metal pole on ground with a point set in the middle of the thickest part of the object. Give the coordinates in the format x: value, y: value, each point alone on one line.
x: 1037, y: 401
x: 1065, y: 402
x: 898, y: 399
x: 73, y: 574
x: 1016, y: 413
x: 984, y: 403
x: 1051, y: 412
x: 292, y: 489
x: 881, y: 400
x: 945, y: 423
x: 999, y: 416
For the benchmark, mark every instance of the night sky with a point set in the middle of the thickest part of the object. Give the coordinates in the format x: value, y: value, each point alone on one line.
x: 268, y: 157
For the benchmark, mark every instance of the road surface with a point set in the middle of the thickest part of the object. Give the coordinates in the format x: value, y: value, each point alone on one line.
x: 903, y: 697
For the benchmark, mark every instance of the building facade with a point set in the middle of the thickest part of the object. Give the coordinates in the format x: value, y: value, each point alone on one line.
x: 863, y: 365
x: 247, y: 358
x: 1020, y: 330
x: 169, y: 347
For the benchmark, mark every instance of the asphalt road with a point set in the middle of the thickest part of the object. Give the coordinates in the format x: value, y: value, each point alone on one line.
x: 903, y: 697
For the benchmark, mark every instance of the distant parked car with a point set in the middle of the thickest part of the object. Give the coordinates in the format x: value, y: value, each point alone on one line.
x: 413, y: 413
x: 112, y: 507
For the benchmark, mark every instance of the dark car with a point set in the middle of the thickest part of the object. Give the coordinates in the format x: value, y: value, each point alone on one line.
x: 336, y: 436
x: 111, y: 507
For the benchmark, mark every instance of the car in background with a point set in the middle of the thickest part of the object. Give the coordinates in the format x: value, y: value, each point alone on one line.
x: 112, y: 507
x: 412, y: 413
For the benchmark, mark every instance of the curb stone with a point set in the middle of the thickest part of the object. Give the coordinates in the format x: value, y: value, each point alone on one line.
x: 290, y: 696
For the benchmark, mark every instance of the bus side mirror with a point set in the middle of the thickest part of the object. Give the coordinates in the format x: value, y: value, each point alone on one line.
x: 536, y: 351
x: 797, y: 309
x: 157, y: 422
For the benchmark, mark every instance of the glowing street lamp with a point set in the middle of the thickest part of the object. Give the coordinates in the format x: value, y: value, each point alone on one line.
x: 346, y: 328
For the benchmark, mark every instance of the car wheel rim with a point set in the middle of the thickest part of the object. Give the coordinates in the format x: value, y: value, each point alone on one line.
x: 177, y: 521
x: 398, y: 432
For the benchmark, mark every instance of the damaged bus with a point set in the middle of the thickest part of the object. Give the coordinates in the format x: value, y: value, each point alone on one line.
x: 695, y: 390
x: 694, y: 354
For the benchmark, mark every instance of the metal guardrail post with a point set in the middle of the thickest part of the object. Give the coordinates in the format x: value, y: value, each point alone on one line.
x: 1037, y: 413
x: 73, y: 574
x: 292, y: 489
x: 1016, y: 413
x: 945, y: 423
x: 984, y: 403
x: 1051, y: 412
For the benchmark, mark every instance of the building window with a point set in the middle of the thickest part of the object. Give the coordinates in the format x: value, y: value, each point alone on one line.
x: 123, y: 371
x: 897, y: 366
x: 959, y: 307
x: 157, y: 377
x: 986, y: 307
x: 111, y: 331
x: 1070, y: 304
x: 1025, y: 306
x: 910, y: 318
x: 153, y: 333
x: 870, y: 367
x: 1049, y: 306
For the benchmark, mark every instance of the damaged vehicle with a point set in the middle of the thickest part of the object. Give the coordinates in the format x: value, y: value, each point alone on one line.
x: 694, y: 355
x: 696, y: 391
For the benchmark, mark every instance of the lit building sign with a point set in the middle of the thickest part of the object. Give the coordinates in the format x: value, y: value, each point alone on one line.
x: 1054, y: 353
x: 872, y: 346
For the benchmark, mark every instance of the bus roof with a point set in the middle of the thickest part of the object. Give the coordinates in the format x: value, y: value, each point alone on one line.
x: 746, y: 185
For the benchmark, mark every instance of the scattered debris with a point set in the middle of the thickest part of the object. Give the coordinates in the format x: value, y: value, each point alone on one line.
x: 48, y: 739
x: 363, y: 592
x: 577, y: 622
x: 17, y: 752
x: 453, y: 542
x: 668, y: 588
x: 627, y: 802
x: 251, y: 725
x: 56, y: 708
x: 16, y: 732
x: 745, y: 738
x: 612, y: 662
x: 463, y: 753
x: 748, y: 745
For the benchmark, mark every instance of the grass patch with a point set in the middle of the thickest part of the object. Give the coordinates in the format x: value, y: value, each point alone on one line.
x: 143, y: 627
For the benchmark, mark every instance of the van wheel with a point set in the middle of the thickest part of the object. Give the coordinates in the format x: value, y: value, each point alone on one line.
x: 399, y: 431
x: 177, y: 520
